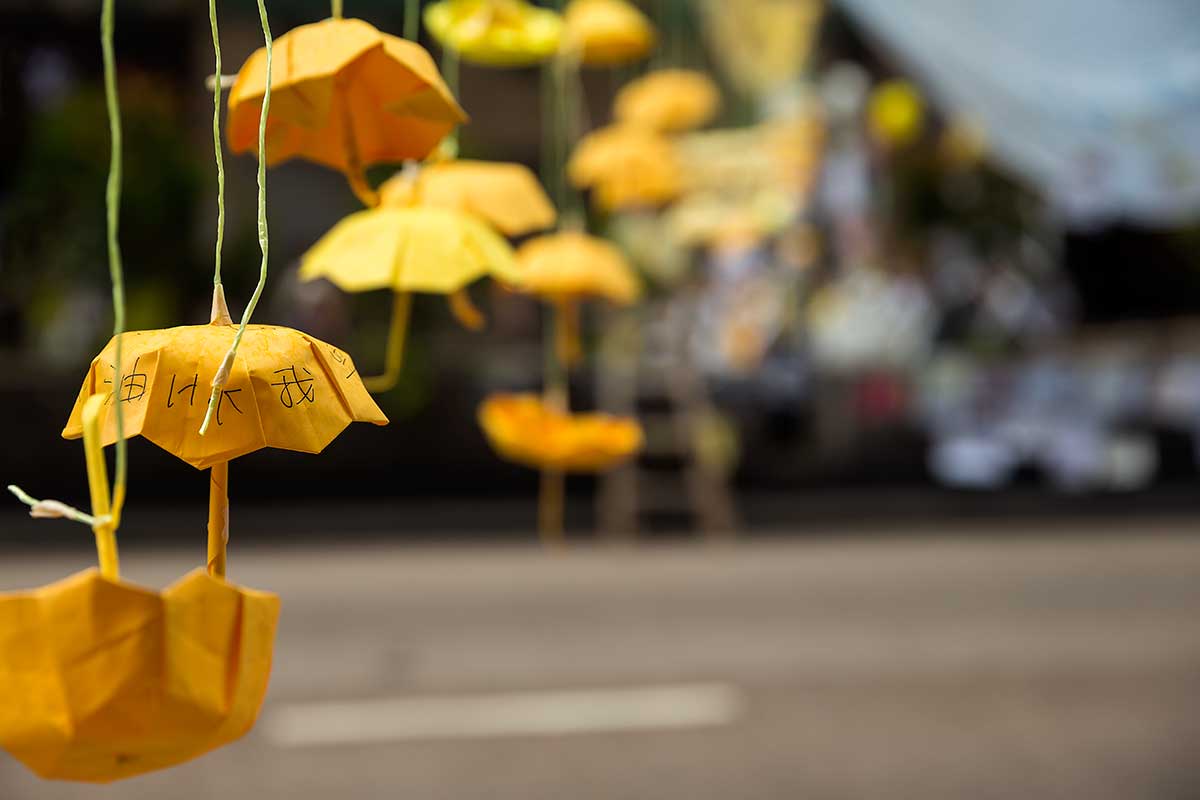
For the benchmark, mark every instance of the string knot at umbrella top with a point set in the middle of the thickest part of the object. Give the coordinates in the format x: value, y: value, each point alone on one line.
x: 668, y: 100
x: 344, y: 95
x: 526, y: 430
x: 607, y: 33
x: 497, y: 33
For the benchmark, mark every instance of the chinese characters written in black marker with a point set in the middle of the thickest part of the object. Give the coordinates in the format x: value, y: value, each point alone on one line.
x: 343, y: 360
x: 187, y: 387
x: 190, y: 388
x: 295, y: 389
x: 133, y: 383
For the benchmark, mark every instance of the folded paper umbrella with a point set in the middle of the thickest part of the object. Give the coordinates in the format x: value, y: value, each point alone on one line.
x: 626, y: 167
x: 506, y: 196
x: 415, y: 249
x: 567, y: 267
x: 285, y: 390
x: 607, y: 33
x: 668, y: 100
x: 344, y: 95
x: 496, y: 33
x: 525, y: 429
x: 102, y: 680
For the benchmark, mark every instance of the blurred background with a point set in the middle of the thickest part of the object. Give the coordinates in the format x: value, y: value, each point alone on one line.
x: 917, y: 510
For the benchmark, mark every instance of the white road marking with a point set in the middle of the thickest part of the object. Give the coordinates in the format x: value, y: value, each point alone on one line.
x: 542, y: 713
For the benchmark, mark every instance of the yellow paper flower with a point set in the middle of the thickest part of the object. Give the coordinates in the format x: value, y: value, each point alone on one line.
x: 346, y: 96
x: 495, y: 33
x: 506, y: 196
x: 102, y: 680
x: 571, y: 265
x: 668, y: 100
x: 523, y: 429
x: 895, y: 113
x: 627, y: 167
x: 607, y: 33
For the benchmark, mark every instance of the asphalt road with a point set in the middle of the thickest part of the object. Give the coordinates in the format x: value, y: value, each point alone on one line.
x: 1048, y: 665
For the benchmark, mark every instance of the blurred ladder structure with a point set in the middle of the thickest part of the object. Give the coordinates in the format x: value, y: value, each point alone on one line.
x: 645, y: 369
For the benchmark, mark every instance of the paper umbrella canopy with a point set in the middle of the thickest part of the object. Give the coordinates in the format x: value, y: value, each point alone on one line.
x: 626, y: 166
x: 575, y: 266
x: 506, y: 196
x: 526, y: 430
x: 343, y: 95
x: 499, y: 33
x: 286, y: 390
x: 668, y: 100
x: 607, y: 33
x: 409, y: 250
x: 103, y: 680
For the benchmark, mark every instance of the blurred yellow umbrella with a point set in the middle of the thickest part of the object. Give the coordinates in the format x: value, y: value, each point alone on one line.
x: 626, y: 167
x: 506, y: 196
x: 607, y: 33
x: 525, y: 429
x: 496, y: 33
x: 344, y: 95
x: 409, y: 250
x: 895, y: 113
x: 668, y: 100
x: 571, y: 266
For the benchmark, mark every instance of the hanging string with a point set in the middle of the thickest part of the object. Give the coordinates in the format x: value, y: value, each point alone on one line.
x: 108, y: 517
x: 412, y: 19
x: 222, y: 376
x: 216, y: 128
x: 335, y: 9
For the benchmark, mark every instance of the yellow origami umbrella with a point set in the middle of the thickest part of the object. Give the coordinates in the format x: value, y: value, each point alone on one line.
x: 102, y: 680
x: 506, y: 196
x: 495, y: 33
x: 626, y: 167
x: 525, y: 429
x: 346, y: 96
x: 564, y: 268
x: 407, y: 250
x: 607, y: 33
x: 668, y: 100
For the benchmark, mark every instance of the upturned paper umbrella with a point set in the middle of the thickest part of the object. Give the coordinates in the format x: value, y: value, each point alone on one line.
x: 668, y: 100
x: 496, y: 33
x: 428, y: 250
x: 525, y: 429
x: 626, y: 167
x: 102, y: 680
x: 607, y: 33
x: 506, y: 196
x: 344, y: 95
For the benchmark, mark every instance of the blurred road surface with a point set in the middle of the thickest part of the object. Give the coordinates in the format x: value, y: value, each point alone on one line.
x: 949, y: 666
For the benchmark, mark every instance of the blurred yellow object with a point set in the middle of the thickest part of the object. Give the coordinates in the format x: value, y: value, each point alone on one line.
x: 346, y: 96
x: 895, y: 113
x: 963, y: 143
x: 496, y: 33
x: 285, y: 389
x: 668, y: 100
x: 607, y: 33
x: 102, y: 680
x: 409, y: 250
x: 627, y: 167
x: 571, y: 265
x: 524, y: 429
x: 506, y: 196
x: 762, y: 45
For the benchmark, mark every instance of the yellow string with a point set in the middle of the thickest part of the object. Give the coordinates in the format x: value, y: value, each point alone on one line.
x: 216, y: 128
x: 226, y: 367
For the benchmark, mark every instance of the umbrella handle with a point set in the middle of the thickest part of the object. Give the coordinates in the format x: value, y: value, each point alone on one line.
x: 105, y: 513
x: 218, y: 519
x: 401, y: 303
